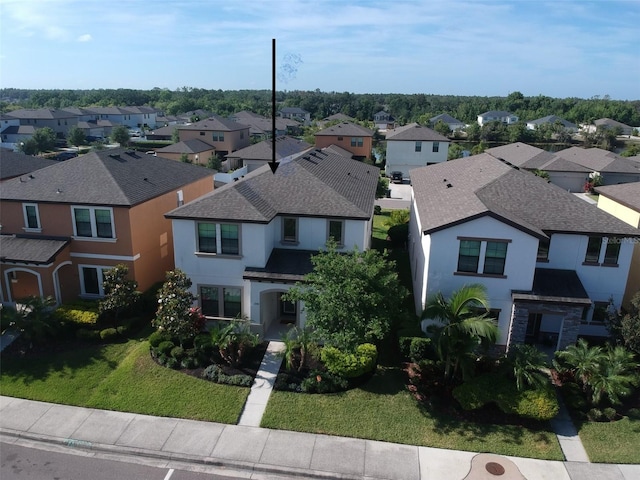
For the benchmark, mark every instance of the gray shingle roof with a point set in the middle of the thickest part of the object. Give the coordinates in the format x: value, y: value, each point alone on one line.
x: 551, y: 119
x: 347, y: 129
x: 23, y: 249
x: 453, y: 192
x: 316, y: 184
x: 13, y: 164
x: 414, y: 132
x: 105, y: 177
x: 40, y: 113
x: 445, y: 117
x: 496, y: 113
x: 193, y: 145
x: 628, y: 194
x: 287, y: 265
x: 285, y: 147
x: 215, y: 123
x: 555, y: 285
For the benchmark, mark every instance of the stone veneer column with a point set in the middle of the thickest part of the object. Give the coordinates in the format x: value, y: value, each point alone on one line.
x: 518, y: 327
x: 570, y: 326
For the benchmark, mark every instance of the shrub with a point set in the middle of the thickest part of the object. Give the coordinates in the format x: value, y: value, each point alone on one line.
x: 405, y: 346
x: 171, y: 363
x: 188, y: 362
x: 377, y: 210
x: 538, y: 404
x: 157, y: 337
x: 215, y: 374
x: 324, y: 382
x: 162, y: 359
x: 177, y: 352
x: 212, y: 372
x: 80, y: 312
x: 610, y: 413
x: 420, y: 349
x: 595, y: 415
x: 350, y: 365
x: 87, y: 334
x: 164, y: 348
x: 398, y: 235
x: 108, y: 334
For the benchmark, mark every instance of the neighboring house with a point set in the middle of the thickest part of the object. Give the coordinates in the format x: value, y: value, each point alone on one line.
x: 96, y: 129
x: 338, y: 117
x: 260, y: 127
x: 497, y: 116
x: 453, y: 123
x: 552, y: 120
x: 197, y: 151
x: 247, y: 243
x: 623, y: 201
x: 352, y: 137
x: 13, y: 135
x: 194, y: 116
x: 63, y: 225
x: 570, y: 168
x: 551, y: 262
x: 338, y: 151
x: 413, y: 146
x: 9, y: 125
x: 132, y: 117
x: 610, y: 124
x: 257, y: 155
x: 162, y: 133
x: 224, y: 135
x: 60, y: 121
x: 383, y: 120
x: 14, y: 164
x: 295, y: 113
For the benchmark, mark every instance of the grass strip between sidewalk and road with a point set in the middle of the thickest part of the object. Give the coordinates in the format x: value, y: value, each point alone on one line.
x: 383, y: 409
x: 120, y: 377
x: 612, y: 442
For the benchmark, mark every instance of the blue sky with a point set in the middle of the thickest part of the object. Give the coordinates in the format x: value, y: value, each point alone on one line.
x: 561, y: 48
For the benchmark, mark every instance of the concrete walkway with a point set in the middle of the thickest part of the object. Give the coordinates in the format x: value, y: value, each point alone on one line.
x: 568, y: 437
x: 252, y: 452
x: 262, y: 385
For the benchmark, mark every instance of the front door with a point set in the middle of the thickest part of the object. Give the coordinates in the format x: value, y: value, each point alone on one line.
x: 533, y: 328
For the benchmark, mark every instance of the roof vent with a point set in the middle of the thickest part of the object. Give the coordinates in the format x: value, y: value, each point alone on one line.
x: 114, y: 155
x: 444, y: 179
x: 449, y: 185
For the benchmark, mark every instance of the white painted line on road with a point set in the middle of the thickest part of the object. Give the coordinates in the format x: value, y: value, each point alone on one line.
x: 168, y: 475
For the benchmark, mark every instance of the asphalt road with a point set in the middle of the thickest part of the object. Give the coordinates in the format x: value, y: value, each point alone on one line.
x: 24, y: 463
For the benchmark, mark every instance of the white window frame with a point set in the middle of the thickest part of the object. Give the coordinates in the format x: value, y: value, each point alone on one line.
x: 482, y: 257
x: 27, y: 228
x: 100, y: 269
x: 435, y: 148
x: 94, y: 227
x: 339, y: 242
x: 218, y: 252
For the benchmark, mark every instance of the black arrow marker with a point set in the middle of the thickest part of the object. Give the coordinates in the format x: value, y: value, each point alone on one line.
x: 273, y: 164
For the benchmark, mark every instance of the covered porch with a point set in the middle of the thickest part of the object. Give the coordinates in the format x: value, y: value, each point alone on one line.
x: 272, y: 315
x: 549, y: 315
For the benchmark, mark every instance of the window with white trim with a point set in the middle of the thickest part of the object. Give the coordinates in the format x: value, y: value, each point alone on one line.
x: 418, y: 147
x: 221, y: 302
x: 219, y: 238
x: 436, y: 147
x: 31, y: 216
x: 91, y: 279
x: 93, y: 222
x: 336, y: 231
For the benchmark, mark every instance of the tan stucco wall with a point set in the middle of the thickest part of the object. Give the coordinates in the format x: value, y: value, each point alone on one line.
x: 323, y: 141
x: 232, y: 140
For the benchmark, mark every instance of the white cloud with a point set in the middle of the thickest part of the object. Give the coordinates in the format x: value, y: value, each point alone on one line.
x: 85, y: 38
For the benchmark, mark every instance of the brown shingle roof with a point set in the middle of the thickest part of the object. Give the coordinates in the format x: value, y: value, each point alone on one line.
x: 627, y: 194
x: 414, y: 132
x: 347, y: 129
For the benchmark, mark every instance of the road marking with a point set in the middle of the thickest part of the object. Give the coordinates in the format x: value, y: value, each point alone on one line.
x: 168, y: 475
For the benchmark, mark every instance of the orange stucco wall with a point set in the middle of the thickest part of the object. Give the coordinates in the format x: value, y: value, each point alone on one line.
x: 232, y: 140
x: 144, y: 241
x: 323, y: 141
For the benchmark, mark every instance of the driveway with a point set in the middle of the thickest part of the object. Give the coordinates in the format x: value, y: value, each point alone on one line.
x: 399, y: 198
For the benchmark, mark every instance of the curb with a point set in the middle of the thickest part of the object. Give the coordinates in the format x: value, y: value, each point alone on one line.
x: 259, y: 468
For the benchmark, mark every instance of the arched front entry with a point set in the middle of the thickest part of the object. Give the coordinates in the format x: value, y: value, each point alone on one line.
x: 277, y: 315
x: 21, y: 283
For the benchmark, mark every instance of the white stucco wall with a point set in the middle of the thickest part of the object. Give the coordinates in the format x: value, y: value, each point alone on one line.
x: 401, y: 155
x: 440, y: 260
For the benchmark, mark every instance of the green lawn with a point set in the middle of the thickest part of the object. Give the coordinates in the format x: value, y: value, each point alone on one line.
x: 612, y: 442
x: 384, y: 410
x: 120, y: 377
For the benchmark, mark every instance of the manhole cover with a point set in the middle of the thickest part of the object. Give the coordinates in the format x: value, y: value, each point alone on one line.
x: 494, y: 468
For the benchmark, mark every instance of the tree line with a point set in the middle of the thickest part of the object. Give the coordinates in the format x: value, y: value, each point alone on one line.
x: 405, y: 108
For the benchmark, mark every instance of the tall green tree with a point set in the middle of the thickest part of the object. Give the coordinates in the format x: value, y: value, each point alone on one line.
x: 76, y: 137
x: 462, y: 327
x: 442, y: 128
x: 120, y: 134
x: 29, y: 147
x: 350, y: 298
x: 119, y: 291
x: 45, y: 138
x: 176, y: 313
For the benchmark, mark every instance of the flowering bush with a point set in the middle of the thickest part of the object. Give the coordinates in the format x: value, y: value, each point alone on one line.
x: 176, y: 314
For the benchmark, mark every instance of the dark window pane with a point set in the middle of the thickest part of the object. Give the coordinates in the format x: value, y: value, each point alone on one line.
x: 83, y: 222
x: 207, y: 237
x: 229, y: 239
x: 593, y: 250
x: 290, y: 230
x: 495, y: 257
x: 232, y: 302
x: 612, y: 251
x: 469, y: 256
x: 32, y: 216
x: 103, y: 223
x: 335, y: 231
x: 90, y: 278
x: 209, y: 301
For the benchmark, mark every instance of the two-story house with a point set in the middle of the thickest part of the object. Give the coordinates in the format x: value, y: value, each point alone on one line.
x: 60, y: 121
x: 552, y: 120
x: 258, y: 154
x: 63, y: 225
x: 451, y: 122
x: 224, y: 135
x: 352, y: 137
x: 384, y: 120
x: 623, y: 201
x: 551, y: 263
x: 413, y: 146
x: 296, y: 113
x: 247, y: 243
x: 260, y: 128
x: 497, y: 116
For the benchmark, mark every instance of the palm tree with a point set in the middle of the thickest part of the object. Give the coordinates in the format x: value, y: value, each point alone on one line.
x: 527, y: 365
x: 616, y: 377
x: 462, y: 328
x: 581, y: 360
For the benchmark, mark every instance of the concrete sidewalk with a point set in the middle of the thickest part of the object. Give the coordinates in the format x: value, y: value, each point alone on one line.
x: 259, y: 453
